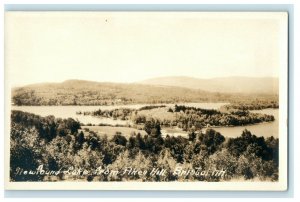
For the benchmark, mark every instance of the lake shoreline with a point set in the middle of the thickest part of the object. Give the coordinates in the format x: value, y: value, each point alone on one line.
x: 265, y: 128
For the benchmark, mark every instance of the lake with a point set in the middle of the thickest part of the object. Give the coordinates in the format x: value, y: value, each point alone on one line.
x: 262, y: 129
x: 70, y: 111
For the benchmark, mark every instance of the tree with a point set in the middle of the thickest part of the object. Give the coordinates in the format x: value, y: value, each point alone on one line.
x: 80, y: 138
x: 152, y: 127
x: 223, y: 160
x: 192, y: 136
x: 251, y: 144
x: 26, y: 152
x: 119, y: 139
x: 211, y: 139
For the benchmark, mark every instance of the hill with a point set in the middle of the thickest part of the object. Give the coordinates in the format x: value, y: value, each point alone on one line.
x: 79, y: 92
x: 264, y: 85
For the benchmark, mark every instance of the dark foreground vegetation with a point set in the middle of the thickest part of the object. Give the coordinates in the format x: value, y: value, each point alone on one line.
x: 61, y: 144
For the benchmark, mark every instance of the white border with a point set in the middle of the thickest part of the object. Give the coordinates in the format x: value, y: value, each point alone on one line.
x: 254, y: 186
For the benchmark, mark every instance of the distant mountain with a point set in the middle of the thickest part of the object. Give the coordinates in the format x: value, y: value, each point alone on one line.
x: 79, y: 92
x: 268, y: 85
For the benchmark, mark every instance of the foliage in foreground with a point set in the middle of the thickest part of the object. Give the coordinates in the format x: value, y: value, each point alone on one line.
x: 59, y: 143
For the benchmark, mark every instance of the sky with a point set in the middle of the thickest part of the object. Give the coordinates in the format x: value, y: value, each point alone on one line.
x: 130, y: 47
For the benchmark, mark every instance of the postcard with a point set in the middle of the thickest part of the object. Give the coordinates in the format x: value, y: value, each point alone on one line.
x: 146, y: 100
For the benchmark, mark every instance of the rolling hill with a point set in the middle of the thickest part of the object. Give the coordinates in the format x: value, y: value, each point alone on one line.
x: 80, y: 92
x: 267, y: 85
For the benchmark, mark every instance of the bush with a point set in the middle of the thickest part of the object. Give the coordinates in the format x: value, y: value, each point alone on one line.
x: 119, y: 139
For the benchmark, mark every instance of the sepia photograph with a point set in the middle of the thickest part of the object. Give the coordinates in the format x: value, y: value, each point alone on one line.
x: 146, y: 100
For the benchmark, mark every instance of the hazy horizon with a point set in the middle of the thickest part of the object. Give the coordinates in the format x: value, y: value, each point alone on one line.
x: 130, y: 47
x: 139, y: 81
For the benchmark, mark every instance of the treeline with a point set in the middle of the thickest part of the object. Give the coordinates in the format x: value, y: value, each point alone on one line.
x: 48, y: 127
x: 197, y: 118
x: 252, y: 105
x: 149, y: 107
x: 36, y: 140
x: 120, y: 113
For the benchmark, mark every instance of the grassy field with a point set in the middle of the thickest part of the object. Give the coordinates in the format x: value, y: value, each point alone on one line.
x: 110, y: 131
x: 173, y: 131
x: 159, y: 113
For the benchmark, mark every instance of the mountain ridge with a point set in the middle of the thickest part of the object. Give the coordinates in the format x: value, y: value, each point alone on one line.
x: 233, y: 84
x: 82, y: 92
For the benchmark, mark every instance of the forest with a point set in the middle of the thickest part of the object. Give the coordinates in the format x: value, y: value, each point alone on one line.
x: 61, y: 143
